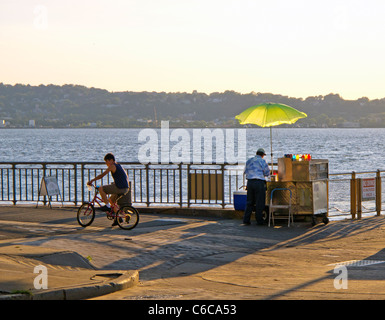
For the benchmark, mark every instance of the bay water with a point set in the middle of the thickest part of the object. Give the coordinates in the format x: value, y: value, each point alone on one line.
x: 347, y: 149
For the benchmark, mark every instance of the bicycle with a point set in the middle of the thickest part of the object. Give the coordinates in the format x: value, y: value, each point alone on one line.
x: 126, y: 216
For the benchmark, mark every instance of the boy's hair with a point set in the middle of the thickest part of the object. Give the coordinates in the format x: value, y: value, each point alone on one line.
x: 109, y: 156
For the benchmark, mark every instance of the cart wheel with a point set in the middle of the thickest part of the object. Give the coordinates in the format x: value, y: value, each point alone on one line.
x: 325, y: 220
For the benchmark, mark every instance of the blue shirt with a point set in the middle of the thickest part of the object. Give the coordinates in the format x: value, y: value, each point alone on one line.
x: 120, y: 177
x: 256, y: 168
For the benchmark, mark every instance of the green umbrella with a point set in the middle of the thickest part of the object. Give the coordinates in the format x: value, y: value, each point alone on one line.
x: 269, y: 115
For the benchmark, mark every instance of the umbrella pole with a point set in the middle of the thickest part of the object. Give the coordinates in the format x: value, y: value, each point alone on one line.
x: 271, y: 150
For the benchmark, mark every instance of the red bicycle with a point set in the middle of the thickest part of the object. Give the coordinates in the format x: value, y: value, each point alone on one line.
x: 126, y: 216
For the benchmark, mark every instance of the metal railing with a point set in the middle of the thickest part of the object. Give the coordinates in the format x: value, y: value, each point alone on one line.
x: 348, y: 189
x: 182, y: 185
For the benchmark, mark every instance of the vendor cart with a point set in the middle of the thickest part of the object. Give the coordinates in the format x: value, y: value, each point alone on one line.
x: 304, y: 185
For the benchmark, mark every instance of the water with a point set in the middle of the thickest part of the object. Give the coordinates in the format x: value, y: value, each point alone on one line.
x: 346, y: 149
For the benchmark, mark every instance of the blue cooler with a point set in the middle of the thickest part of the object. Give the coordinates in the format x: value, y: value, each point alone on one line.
x: 240, y: 198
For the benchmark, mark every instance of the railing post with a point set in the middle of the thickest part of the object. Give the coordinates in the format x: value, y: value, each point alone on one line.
x: 180, y: 185
x: 189, y: 186
x: 14, y: 182
x: 353, y: 195
x: 76, y: 183
x: 82, y: 180
x: 378, y: 192
x: 223, y: 186
x: 147, y: 185
x: 44, y: 174
x: 359, y: 198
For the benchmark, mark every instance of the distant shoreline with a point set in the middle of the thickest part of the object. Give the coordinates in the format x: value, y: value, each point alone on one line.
x: 184, y: 127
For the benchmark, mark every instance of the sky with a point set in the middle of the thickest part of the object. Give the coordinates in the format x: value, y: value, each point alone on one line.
x: 297, y: 48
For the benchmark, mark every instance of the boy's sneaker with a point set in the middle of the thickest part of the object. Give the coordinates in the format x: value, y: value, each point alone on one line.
x: 105, y: 208
x: 115, y: 223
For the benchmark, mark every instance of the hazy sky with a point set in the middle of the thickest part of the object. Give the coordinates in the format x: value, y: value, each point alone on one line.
x: 298, y: 48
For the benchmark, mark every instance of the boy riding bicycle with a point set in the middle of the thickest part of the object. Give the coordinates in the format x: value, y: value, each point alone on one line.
x: 119, y: 186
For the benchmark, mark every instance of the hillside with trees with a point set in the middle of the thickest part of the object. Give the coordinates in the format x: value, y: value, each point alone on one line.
x: 79, y: 106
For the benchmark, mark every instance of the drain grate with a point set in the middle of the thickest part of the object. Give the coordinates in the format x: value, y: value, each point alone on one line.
x: 357, y: 263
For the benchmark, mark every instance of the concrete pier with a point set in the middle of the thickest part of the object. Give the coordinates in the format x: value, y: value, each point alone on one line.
x: 188, y: 257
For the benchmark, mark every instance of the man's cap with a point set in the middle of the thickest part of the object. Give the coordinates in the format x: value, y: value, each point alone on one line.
x: 261, y: 150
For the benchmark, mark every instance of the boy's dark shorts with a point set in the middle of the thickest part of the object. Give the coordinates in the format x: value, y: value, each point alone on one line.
x: 114, y: 191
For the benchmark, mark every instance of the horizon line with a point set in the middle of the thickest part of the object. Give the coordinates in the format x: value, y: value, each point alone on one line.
x: 170, y: 92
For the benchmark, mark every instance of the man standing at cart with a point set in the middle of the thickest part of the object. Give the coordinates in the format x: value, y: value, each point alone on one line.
x: 256, y: 171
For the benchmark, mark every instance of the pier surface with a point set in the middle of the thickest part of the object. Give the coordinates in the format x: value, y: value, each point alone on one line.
x: 188, y: 257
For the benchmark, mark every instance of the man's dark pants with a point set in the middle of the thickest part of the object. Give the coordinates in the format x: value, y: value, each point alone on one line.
x: 256, y: 194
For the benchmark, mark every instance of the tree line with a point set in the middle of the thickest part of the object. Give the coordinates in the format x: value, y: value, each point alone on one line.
x: 80, y: 106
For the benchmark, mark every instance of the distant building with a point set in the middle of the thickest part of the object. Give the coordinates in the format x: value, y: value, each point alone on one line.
x: 2, y: 124
x: 31, y: 123
x: 347, y: 124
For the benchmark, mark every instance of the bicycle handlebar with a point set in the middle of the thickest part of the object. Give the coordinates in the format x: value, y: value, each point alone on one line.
x: 92, y: 185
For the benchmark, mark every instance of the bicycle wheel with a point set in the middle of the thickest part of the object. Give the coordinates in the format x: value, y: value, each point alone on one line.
x: 127, y: 217
x: 86, y: 214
